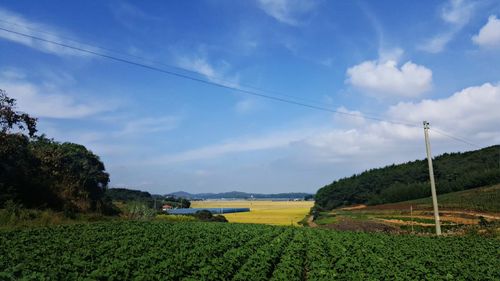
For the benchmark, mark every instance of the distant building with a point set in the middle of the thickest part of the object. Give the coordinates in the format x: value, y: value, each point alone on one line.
x: 166, y: 207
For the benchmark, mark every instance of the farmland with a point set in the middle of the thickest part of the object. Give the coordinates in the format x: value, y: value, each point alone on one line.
x: 217, y: 251
x: 457, y: 210
x: 263, y: 212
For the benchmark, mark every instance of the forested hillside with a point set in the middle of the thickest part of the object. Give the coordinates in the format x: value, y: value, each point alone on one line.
x: 394, y: 183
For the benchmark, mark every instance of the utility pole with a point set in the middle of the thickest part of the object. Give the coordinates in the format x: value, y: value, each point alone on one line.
x: 431, y: 175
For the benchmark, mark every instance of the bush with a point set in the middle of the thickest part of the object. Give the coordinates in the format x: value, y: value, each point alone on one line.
x: 138, y: 210
x: 204, y: 215
x: 175, y: 218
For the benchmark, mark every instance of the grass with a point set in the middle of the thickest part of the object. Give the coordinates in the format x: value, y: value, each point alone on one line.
x: 175, y: 218
x: 27, y: 218
x: 407, y: 219
x: 460, y: 212
x: 262, y: 212
x: 324, y: 220
x: 480, y: 199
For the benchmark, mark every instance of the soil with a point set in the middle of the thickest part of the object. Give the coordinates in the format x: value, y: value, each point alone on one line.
x: 401, y: 222
x: 357, y: 207
x: 310, y: 222
x: 347, y: 224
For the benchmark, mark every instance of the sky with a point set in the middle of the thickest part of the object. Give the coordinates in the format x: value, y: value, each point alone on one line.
x: 379, y: 67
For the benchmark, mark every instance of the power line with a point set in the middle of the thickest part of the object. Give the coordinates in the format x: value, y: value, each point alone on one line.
x: 161, y: 63
x: 455, y: 137
x: 220, y: 85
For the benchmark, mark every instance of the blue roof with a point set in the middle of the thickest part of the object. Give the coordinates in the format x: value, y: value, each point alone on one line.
x: 190, y: 211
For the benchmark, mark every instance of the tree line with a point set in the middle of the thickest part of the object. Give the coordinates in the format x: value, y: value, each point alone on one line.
x: 38, y: 172
x: 130, y: 195
x: 395, y: 183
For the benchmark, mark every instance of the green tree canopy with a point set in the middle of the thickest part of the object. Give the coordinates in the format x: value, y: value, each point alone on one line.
x: 10, y: 119
x: 41, y: 173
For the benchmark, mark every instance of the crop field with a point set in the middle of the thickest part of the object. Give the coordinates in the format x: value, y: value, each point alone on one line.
x: 219, y: 251
x: 457, y: 210
x: 263, y: 212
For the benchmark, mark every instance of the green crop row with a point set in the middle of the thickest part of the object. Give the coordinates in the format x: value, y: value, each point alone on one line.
x: 216, y: 251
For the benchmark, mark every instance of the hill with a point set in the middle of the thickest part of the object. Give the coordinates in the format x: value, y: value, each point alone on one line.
x: 239, y: 195
x: 477, y: 199
x: 408, y: 181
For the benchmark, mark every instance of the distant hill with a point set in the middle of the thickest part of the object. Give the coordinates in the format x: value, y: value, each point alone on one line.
x: 395, y: 183
x: 238, y: 195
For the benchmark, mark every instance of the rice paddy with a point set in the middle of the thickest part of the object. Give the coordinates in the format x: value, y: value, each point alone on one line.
x: 262, y: 212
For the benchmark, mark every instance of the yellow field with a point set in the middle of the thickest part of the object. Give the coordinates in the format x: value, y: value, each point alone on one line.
x: 263, y: 212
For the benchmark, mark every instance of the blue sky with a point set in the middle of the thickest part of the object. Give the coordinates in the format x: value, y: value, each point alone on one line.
x: 396, y: 60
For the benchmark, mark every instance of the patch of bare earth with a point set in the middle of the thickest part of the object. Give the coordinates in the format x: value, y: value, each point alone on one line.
x: 492, y: 216
x: 357, y: 207
x: 310, y: 222
x: 402, y: 222
x: 347, y: 224
x: 398, y: 207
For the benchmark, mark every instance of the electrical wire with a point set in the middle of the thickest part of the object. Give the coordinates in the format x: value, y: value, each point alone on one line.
x: 440, y: 132
x: 162, y: 64
x: 220, y: 85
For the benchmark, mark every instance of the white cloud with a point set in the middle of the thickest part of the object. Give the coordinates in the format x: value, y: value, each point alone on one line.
x: 287, y: 11
x: 234, y: 146
x: 385, y: 79
x: 150, y: 125
x: 202, y: 66
x: 471, y: 109
x: 199, y: 65
x: 456, y: 14
x: 128, y: 15
x: 310, y: 156
x: 489, y: 34
x: 20, y: 24
x: 393, y: 54
x: 47, y: 100
x: 437, y: 44
x: 349, y: 118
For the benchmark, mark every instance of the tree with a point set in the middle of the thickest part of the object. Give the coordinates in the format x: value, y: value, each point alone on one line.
x: 41, y: 173
x: 18, y: 171
x: 10, y: 119
x: 72, y: 172
x: 394, y: 183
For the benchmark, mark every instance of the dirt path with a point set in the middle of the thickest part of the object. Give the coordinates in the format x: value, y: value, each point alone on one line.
x: 475, y: 214
x: 310, y: 222
x: 357, y: 207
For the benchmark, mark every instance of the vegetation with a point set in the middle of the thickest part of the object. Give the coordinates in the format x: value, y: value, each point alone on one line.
x: 478, y: 199
x: 132, y: 250
x: 263, y: 212
x: 395, y: 183
x: 125, y: 195
x: 37, y: 172
x: 205, y: 215
x: 175, y: 218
